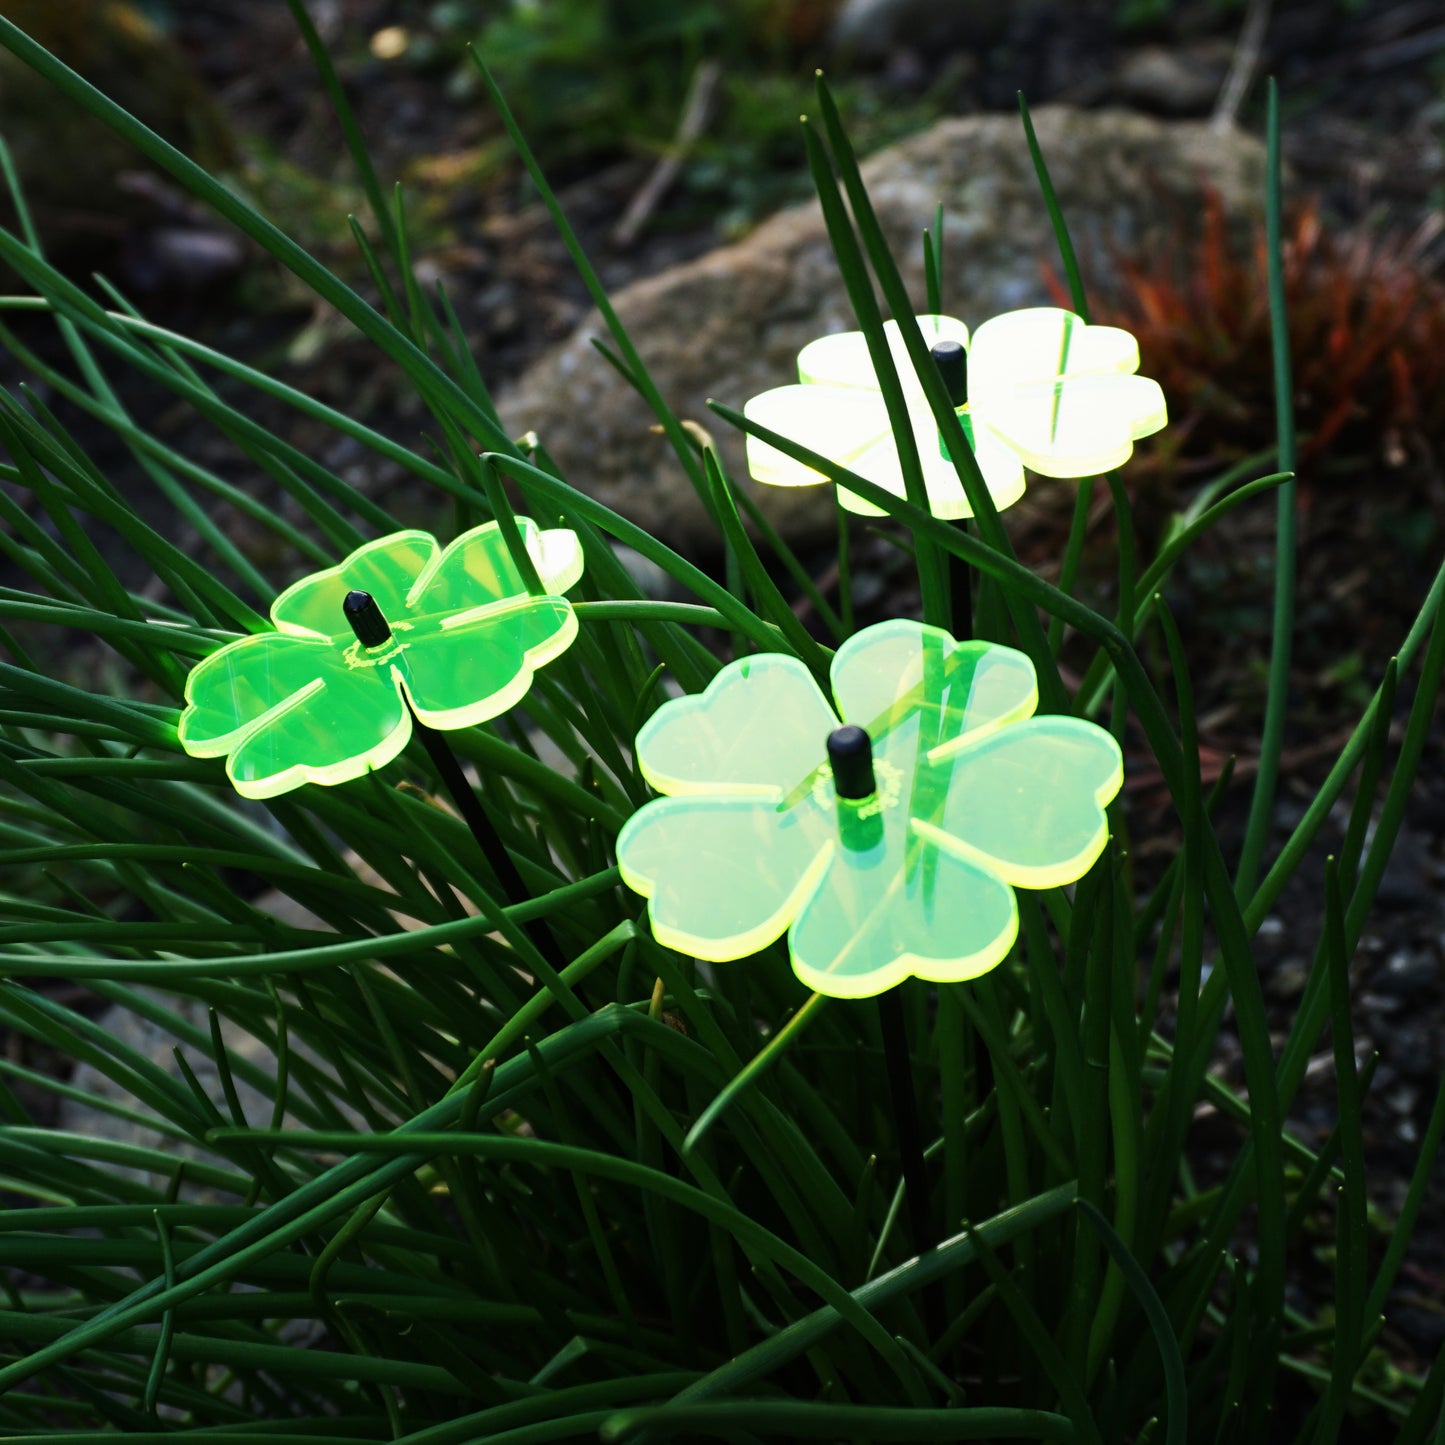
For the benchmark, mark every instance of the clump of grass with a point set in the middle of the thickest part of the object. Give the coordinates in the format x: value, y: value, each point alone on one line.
x: 468, y: 1206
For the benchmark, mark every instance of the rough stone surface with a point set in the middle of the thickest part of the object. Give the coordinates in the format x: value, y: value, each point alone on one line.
x: 155, y: 1042
x: 731, y: 323
x: 1174, y: 82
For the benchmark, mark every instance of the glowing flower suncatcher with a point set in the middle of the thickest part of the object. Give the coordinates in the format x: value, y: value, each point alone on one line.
x: 311, y: 702
x: 1037, y: 388
x: 971, y: 796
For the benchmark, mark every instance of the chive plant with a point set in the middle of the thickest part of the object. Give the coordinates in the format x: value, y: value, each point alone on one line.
x: 524, y: 1174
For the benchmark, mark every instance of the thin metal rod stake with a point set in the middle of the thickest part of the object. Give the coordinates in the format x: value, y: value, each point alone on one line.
x: 910, y: 1145
x: 951, y: 359
x: 905, y: 1114
x: 373, y: 630
x: 960, y: 591
x: 488, y: 839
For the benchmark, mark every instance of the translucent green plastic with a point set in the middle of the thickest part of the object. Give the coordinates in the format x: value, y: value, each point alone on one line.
x: 975, y: 797
x: 1046, y: 391
x: 309, y: 704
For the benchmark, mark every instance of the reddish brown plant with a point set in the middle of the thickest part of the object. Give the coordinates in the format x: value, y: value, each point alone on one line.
x: 1367, y: 344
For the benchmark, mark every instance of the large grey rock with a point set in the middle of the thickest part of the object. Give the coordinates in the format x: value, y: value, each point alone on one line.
x: 730, y: 324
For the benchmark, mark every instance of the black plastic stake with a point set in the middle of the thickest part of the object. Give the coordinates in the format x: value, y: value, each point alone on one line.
x: 905, y: 1115
x: 373, y: 630
x: 367, y: 620
x: 951, y: 359
x: 850, y: 754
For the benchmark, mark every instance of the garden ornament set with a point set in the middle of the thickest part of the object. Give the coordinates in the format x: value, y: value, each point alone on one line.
x: 961, y: 795
x: 958, y: 793
x: 883, y: 831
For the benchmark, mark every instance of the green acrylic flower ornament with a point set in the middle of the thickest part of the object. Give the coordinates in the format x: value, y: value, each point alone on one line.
x: 776, y: 818
x: 309, y: 703
x: 1037, y: 388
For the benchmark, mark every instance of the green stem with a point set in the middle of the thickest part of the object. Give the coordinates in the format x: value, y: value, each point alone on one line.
x: 1261, y: 806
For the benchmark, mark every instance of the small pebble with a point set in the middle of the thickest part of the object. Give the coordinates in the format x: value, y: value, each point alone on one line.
x: 1415, y: 1052
x: 1404, y: 884
x: 1380, y: 1003
x: 1406, y: 972
x: 1288, y: 977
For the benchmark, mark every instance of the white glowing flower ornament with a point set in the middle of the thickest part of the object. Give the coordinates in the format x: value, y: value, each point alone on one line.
x: 1038, y: 388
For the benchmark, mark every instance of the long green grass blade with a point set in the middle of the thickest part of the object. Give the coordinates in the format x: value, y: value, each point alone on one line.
x: 1271, y: 744
x: 1176, y: 1392
x: 808, y: 1420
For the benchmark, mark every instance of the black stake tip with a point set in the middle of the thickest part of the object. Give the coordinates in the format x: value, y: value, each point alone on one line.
x: 366, y: 619
x: 952, y: 362
x: 850, y: 751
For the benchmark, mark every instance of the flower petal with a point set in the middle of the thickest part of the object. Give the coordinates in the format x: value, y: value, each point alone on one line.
x: 1076, y: 427
x: 556, y: 553
x: 723, y: 876
x: 353, y: 721
x: 939, y: 328
x: 906, y: 675
x: 1028, y: 802
x: 904, y: 908
x: 386, y: 568
x: 477, y: 571
x: 1002, y: 472
x: 1040, y: 343
x: 232, y: 691
x: 1059, y: 391
x: 839, y: 413
x: 844, y: 359
x: 478, y: 664
x: 836, y: 422
x: 838, y: 360
x: 759, y: 728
